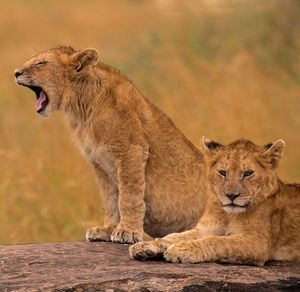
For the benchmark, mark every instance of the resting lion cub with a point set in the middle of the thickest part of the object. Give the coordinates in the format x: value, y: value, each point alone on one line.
x: 144, y: 165
x: 251, y: 216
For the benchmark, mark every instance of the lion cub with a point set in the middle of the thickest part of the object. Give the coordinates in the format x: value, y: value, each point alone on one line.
x: 144, y: 166
x: 251, y: 216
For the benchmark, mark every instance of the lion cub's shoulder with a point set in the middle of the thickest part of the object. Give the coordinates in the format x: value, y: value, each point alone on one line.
x: 289, y: 196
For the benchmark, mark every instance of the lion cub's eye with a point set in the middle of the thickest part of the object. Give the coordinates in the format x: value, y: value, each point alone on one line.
x: 222, y: 172
x: 248, y: 173
x: 41, y: 63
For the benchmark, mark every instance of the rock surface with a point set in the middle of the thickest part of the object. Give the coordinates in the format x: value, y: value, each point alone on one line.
x: 101, y: 266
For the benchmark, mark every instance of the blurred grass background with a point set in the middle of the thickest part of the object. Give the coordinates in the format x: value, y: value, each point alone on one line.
x: 223, y: 69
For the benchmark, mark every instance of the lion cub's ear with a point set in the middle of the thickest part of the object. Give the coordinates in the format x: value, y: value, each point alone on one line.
x: 273, y: 152
x: 210, y: 146
x: 84, y: 58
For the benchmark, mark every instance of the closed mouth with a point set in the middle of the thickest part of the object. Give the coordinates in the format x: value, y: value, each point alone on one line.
x: 236, y: 206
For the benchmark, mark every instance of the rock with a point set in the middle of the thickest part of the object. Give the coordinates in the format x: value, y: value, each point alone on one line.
x: 102, y: 266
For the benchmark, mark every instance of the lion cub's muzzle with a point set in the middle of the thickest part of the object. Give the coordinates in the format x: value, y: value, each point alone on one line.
x: 41, y: 96
x: 232, y: 196
x: 18, y: 74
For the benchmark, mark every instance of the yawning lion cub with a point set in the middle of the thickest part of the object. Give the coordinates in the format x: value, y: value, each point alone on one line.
x: 251, y: 216
x: 149, y: 175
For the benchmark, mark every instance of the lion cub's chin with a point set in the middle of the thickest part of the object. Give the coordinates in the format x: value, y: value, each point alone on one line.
x: 234, y: 209
x: 44, y: 113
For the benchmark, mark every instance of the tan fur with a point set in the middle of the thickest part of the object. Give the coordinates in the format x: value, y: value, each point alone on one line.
x: 149, y: 175
x: 262, y: 223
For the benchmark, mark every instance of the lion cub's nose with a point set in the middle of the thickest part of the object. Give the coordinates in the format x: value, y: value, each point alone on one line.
x: 18, y: 73
x: 232, y: 196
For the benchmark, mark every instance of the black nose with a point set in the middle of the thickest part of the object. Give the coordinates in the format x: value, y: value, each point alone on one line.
x: 232, y: 196
x: 18, y: 73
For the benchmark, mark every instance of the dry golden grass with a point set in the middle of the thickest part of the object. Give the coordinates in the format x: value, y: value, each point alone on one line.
x: 217, y: 68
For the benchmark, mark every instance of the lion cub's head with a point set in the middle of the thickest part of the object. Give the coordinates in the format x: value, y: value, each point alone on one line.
x: 242, y: 174
x: 50, y: 74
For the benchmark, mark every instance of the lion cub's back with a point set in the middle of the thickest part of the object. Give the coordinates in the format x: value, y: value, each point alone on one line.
x: 288, y: 244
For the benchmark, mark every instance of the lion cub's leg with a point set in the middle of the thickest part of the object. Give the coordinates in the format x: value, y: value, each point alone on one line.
x: 131, y: 180
x: 109, y: 203
x: 207, y: 225
x: 231, y: 249
x: 155, y: 248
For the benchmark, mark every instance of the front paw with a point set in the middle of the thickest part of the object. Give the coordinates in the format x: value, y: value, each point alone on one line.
x: 124, y: 235
x: 145, y: 250
x: 98, y: 234
x: 182, y: 253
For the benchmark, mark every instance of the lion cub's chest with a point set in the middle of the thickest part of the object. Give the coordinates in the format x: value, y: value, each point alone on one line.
x: 100, y: 156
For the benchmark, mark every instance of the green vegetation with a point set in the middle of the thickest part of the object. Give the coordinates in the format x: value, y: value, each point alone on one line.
x: 225, y: 70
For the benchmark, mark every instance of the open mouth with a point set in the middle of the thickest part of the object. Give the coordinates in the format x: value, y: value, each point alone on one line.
x: 41, y: 98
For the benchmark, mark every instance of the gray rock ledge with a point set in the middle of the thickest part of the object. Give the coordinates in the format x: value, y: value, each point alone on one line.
x: 102, y: 266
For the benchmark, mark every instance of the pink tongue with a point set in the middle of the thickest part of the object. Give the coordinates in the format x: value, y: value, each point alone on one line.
x: 41, y: 100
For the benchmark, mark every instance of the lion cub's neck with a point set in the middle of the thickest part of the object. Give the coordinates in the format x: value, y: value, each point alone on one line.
x: 92, y: 93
